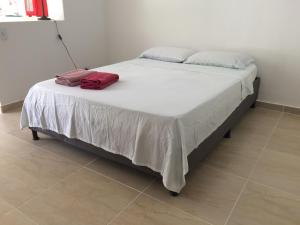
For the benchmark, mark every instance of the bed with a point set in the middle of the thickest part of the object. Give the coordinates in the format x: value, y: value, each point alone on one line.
x: 161, y: 117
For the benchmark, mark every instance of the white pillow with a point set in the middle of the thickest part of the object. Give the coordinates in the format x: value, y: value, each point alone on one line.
x: 168, y: 54
x: 232, y: 60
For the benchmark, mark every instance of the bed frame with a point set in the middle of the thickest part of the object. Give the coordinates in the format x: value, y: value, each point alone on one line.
x: 224, y: 131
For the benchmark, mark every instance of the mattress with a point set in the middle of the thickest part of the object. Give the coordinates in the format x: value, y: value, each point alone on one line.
x: 156, y: 115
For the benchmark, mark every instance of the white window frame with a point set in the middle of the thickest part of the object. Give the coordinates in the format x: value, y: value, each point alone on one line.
x: 55, y: 8
x: 16, y: 10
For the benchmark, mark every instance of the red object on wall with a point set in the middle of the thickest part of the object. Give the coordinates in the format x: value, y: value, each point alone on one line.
x: 35, y: 8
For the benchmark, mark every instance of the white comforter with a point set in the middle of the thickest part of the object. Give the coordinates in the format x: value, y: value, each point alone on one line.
x: 156, y: 115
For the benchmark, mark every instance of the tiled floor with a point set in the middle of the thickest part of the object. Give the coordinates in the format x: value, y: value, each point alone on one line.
x: 251, y: 179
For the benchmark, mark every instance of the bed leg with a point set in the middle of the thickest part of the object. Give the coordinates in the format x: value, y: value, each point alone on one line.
x: 174, y: 194
x: 35, y: 136
x: 228, y: 134
x: 253, y: 106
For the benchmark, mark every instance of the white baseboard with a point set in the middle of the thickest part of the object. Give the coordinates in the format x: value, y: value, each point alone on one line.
x: 11, y: 106
x: 278, y: 107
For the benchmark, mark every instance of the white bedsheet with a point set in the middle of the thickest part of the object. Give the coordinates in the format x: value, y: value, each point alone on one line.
x: 156, y: 115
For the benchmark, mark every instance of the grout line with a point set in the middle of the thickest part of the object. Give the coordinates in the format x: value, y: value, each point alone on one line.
x: 91, y: 162
x: 48, y: 188
x: 10, y: 210
x: 144, y: 193
x: 115, y: 180
x: 130, y: 203
x: 148, y: 186
x: 140, y: 193
x: 27, y: 217
x: 236, y: 202
x: 42, y: 148
x: 179, y: 209
x: 225, y: 172
x: 19, y: 211
x: 110, y: 178
x: 78, y: 170
x: 17, y: 208
x: 169, y: 205
x: 152, y: 182
x: 274, y: 188
x: 264, y: 149
x: 125, y: 208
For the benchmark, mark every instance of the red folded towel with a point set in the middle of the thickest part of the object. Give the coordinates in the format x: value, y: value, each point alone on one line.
x: 98, y: 80
x: 72, y: 78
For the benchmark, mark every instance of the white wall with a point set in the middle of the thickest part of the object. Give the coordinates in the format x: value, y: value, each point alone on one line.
x: 33, y: 53
x: 122, y: 29
x: 267, y: 29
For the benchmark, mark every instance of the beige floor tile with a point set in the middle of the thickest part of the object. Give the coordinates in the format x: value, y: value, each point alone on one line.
x: 43, y: 167
x: 209, y: 194
x: 284, y: 140
x: 10, y: 121
x: 11, y: 145
x: 77, y: 155
x: 260, y: 205
x: 235, y: 159
x: 27, y: 168
x: 255, y: 128
x: 248, y: 136
x: 146, y: 211
x: 24, y: 176
x: 14, y: 191
x: 122, y: 173
x: 4, y: 207
x: 15, y: 218
x: 290, y: 122
x: 26, y: 135
x: 8, y: 125
x: 280, y: 170
x: 48, y: 143
x: 81, y: 199
x: 261, y: 118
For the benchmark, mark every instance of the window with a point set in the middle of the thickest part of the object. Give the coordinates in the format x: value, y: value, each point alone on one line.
x: 12, y: 8
x: 21, y: 10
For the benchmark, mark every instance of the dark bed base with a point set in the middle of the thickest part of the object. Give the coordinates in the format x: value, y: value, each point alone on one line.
x: 224, y: 131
